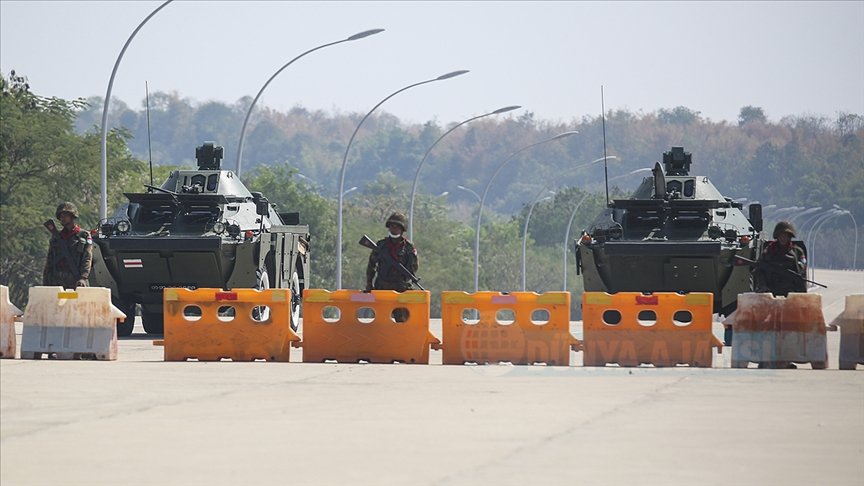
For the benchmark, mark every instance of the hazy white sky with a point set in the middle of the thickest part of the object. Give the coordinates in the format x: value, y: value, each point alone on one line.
x: 790, y: 58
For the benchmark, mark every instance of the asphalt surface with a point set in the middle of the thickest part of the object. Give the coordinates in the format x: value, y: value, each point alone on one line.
x: 140, y: 420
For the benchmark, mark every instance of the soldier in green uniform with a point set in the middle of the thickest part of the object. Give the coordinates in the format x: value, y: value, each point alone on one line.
x: 70, y: 251
x: 381, y: 273
x: 781, y: 255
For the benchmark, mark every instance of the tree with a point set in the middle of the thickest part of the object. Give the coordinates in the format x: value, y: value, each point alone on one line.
x: 751, y: 114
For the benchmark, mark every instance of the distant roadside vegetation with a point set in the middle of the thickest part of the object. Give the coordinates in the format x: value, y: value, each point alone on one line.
x: 50, y: 153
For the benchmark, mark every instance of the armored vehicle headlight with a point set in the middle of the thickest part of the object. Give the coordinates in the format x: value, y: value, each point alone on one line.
x: 219, y: 227
x: 234, y: 230
x: 715, y: 232
x: 107, y: 228
x: 124, y: 226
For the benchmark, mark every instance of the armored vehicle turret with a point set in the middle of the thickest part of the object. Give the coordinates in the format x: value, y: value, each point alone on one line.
x: 676, y: 233
x: 201, y: 228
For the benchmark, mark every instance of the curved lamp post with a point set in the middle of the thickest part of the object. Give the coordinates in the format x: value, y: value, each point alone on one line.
x: 525, y: 233
x: 814, y: 232
x: 103, y: 204
x: 486, y: 193
x: 345, y: 161
x: 429, y: 150
x: 573, y: 215
x: 855, y: 223
x: 361, y: 35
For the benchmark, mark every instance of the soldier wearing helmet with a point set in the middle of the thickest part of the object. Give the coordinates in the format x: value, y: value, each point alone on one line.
x: 381, y: 274
x: 782, y: 254
x: 70, y: 251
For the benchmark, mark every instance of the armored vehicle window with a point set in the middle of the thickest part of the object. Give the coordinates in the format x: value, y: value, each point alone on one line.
x: 212, y: 181
x: 156, y: 212
x: 689, y: 188
x: 673, y: 186
x: 199, y: 180
x: 197, y: 215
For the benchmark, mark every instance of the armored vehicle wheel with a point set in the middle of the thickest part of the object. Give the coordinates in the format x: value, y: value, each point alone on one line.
x: 847, y: 365
x: 125, y: 328
x: 818, y: 365
x: 296, y: 300
x: 261, y: 314
x: 153, y: 323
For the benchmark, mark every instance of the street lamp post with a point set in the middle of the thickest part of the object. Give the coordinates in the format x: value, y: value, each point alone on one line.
x: 486, y: 193
x: 354, y: 37
x: 525, y: 234
x: 103, y: 204
x: 345, y: 162
x: 855, y: 223
x: 814, y: 232
x: 576, y: 208
x: 429, y: 150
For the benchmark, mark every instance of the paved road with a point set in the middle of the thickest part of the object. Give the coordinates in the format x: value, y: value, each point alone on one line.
x: 143, y: 421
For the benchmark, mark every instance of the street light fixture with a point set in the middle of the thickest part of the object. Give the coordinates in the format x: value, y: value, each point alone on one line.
x: 429, y: 150
x: 345, y: 162
x: 486, y: 193
x: 103, y: 204
x: 361, y: 35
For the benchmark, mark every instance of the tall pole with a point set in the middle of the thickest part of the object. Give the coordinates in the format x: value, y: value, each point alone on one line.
x: 361, y: 35
x: 103, y: 204
x: 525, y: 235
x: 345, y: 162
x: 426, y: 155
x: 811, y: 237
x: 855, y: 223
x: 486, y: 193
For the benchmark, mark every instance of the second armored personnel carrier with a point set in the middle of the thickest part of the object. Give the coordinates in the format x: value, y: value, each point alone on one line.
x: 201, y: 229
x: 676, y: 233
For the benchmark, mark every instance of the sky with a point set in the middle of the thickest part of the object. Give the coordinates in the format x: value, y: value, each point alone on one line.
x: 789, y: 58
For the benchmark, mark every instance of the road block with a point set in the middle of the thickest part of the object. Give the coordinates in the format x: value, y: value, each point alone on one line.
x: 663, y: 329
x: 775, y: 331
x: 381, y: 326
x: 518, y: 327
x: 70, y: 324
x: 8, y: 312
x: 240, y: 325
x: 851, y: 324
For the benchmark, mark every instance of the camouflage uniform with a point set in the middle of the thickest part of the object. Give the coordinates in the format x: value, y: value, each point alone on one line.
x: 783, y: 258
x: 78, y: 244
x: 380, y: 273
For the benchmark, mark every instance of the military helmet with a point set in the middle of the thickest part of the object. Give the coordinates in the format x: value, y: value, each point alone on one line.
x: 66, y: 207
x: 397, y: 218
x: 784, y: 227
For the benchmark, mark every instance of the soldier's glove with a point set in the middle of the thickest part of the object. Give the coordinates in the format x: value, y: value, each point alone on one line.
x: 80, y: 283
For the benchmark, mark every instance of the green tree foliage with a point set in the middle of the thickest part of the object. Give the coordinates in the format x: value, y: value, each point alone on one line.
x: 43, y: 162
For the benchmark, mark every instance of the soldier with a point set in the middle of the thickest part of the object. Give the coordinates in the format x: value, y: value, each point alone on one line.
x: 70, y: 251
x: 382, y: 273
x: 778, y: 257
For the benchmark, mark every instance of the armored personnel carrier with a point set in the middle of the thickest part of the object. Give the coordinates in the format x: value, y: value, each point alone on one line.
x: 676, y: 233
x: 201, y: 229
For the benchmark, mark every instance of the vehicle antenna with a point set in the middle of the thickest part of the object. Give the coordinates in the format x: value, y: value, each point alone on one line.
x: 149, y: 145
x: 605, y: 168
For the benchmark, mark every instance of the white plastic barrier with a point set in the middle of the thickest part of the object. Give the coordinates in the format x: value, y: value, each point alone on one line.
x: 8, y: 312
x: 851, y: 324
x: 70, y: 324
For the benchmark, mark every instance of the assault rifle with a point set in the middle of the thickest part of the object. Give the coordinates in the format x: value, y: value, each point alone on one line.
x: 774, y: 268
x: 368, y: 243
x: 73, y: 267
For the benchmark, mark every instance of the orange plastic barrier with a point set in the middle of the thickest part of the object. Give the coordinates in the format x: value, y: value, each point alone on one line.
x: 70, y: 324
x: 241, y: 325
x: 663, y: 329
x: 8, y: 312
x: 519, y: 327
x: 775, y: 331
x: 381, y: 326
x: 851, y: 324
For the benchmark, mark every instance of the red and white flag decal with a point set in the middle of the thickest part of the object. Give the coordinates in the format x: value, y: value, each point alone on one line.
x: 132, y: 263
